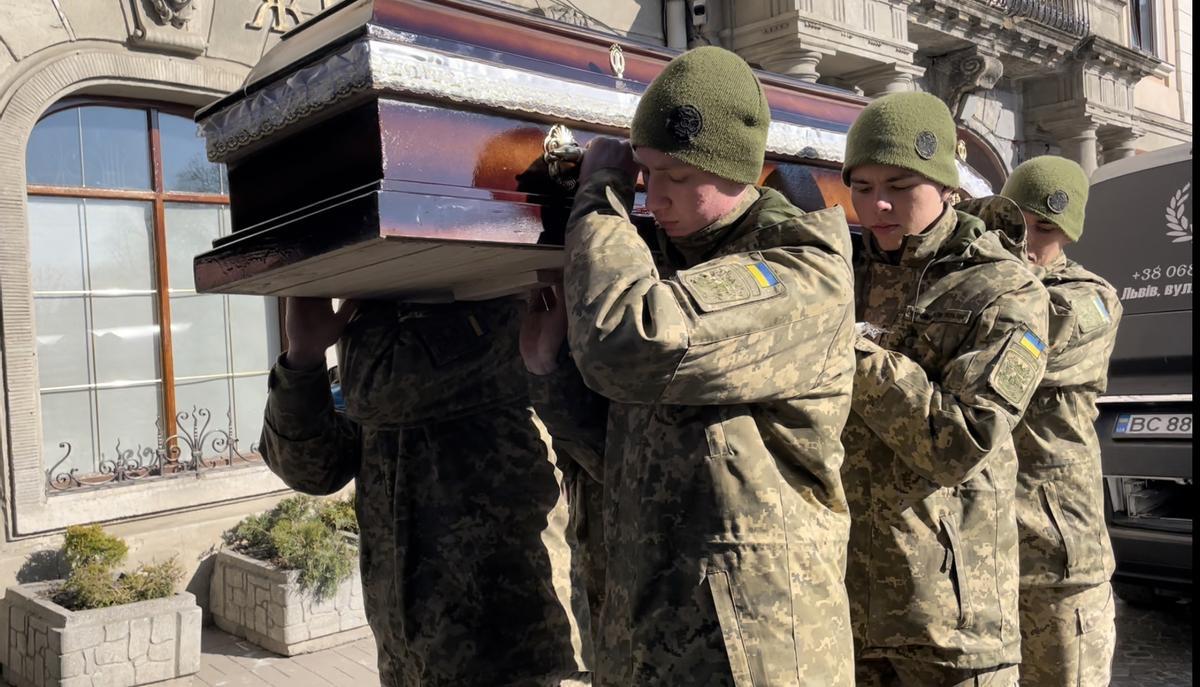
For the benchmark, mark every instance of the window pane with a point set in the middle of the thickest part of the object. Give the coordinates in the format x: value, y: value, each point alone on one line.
x: 52, y: 156
x: 120, y: 245
x: 185, y: 164
x: 116, y: 148
x: 250, y: 397
x: 254, y: 326
x: 127, y: 418
x: 61, y: 341
x: 67, y: 417
x: 190, y: 230
x: 56, y: 244
x: 125, y: 338
x: 198, y: 335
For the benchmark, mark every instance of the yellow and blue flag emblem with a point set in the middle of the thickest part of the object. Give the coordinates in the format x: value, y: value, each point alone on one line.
x: 1100, y: 307
x: 1033, y: 344
x: 762, y: 274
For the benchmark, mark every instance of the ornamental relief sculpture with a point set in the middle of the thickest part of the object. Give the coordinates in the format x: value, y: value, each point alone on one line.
x: 177, y: 13
x: 168, y: 25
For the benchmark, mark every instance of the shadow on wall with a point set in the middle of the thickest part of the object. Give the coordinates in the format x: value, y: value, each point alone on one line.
x: 47, y: 564
x: 198, y: 583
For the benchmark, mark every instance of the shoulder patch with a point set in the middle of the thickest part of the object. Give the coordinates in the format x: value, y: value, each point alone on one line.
x: 1017, y: 373
x: 730, y: 283
x: 1092, y: 313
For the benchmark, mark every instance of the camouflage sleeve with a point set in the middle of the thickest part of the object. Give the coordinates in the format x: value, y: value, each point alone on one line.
x: 313, y: 448
x: 1083, y: 331
x: 741, y: 328
x: 945, y: 429
x: 575, y: 416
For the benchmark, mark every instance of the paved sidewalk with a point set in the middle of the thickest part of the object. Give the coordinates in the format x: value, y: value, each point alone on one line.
x: 232, y: 662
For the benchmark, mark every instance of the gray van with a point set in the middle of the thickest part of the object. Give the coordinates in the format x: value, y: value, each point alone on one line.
x: 1139, y: 237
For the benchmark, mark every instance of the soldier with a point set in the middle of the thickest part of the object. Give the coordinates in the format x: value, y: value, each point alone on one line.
x: 463, y: 551
x: 953, y: 348
x: 728, y: 375
x: 1067, y: 613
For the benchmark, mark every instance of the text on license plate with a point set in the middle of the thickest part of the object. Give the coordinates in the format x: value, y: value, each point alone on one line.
x: 1154, y: 425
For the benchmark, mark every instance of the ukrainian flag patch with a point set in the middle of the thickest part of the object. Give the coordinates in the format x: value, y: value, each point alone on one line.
x: 1034, y: 345
x: 763, y: 276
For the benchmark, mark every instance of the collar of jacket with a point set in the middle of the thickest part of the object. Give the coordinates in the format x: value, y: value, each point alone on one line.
x: 917, y: 250
x: 1051, y: 273
x: 702, y: 245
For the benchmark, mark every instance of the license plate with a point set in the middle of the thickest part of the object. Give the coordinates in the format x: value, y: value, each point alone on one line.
x: 1172, y: 425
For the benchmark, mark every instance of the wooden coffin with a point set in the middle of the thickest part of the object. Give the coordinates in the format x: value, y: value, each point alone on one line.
x: 395, y: 148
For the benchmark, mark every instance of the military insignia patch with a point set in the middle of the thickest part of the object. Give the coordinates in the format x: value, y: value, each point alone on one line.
x: 1034, y: 345
x: 729, y: 283
x: 1017, y: 372
x: 762, y: 274
x: 926, y: 145
x: 1092, y: 313
x: 1058, y: 201
x: 685, y: 123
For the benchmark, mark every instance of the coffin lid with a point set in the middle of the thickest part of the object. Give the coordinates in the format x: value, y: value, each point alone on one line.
x: 492, y: 58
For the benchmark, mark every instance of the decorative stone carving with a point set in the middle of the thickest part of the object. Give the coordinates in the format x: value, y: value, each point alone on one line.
x: 885, y: 78
x: 168, y: 25
x: 177, y: 13
x: 955, y: 75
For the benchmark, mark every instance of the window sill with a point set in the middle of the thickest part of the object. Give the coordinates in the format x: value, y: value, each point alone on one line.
x: 140, y: 500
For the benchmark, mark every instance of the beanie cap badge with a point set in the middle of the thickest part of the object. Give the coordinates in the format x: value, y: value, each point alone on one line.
x: 1058, y: 201
x: 685, y: 123
x: 926, y: 145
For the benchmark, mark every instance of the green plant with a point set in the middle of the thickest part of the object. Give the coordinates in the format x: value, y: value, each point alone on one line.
x: 90, y: 544
x: 301, y: 533
x: 93, y: 556
x: 339, y: 514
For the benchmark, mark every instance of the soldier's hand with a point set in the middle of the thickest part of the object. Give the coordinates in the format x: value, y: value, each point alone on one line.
x: 605, y: 152
x: 312, y: 326
x: 543, y: 330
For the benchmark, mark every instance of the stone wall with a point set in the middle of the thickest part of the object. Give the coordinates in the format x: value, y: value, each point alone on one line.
x: 256, y: 600
x: 134, y: 644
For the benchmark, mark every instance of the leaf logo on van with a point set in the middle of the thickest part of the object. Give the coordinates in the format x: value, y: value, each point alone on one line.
x: 1178, y: 227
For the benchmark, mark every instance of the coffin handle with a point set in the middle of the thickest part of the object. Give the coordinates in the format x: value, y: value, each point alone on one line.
x: 562, y: 155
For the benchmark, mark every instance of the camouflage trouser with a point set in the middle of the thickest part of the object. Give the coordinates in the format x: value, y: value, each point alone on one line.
x: 585, y: 500
x: 1067, y: 636
x: 899, y: 672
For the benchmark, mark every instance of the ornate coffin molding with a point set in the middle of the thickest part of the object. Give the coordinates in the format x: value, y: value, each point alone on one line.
x: 370, y: 65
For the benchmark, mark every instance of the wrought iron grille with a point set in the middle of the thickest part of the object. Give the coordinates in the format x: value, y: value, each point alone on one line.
x: 1070, y: 16
x: 188, y: 450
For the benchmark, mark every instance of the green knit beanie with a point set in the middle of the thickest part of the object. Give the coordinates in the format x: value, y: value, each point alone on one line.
x: 708, y: 110
x: 1053, y: 188
x: 914, y: 131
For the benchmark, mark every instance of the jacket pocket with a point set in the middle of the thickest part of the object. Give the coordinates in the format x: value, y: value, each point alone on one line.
x: 956, y: 564
x: 1059, y: 521
x: 731, y: 628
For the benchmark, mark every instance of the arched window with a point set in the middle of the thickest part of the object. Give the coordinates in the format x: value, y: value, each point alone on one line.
x: 137, y: 371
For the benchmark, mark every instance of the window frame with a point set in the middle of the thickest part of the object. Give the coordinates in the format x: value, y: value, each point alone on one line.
x: 158, y: 198
x: 1144, y: 28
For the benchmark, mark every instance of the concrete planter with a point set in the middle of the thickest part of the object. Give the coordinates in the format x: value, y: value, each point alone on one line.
x: 258, y: 601
x: 153, y: 642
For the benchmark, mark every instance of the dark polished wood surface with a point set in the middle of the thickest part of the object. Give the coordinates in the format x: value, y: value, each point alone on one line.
x: 391, y: 196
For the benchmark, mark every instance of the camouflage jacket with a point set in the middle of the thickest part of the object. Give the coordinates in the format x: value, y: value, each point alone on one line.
x: 1060, y: 497
x: 930, y: 466
x: 463, y: 523
x: 729, y: 382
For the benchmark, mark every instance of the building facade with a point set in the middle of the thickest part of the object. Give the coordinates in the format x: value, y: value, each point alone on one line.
x: 1094, y: 80
x: 129, y: 399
